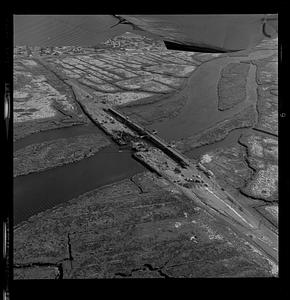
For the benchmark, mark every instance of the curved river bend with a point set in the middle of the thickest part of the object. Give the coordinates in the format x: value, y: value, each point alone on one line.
x: 40, y: 191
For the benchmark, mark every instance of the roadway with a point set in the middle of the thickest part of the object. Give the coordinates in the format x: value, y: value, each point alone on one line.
x: 232, y: 212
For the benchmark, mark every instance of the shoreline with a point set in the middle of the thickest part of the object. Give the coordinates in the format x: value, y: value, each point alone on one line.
x: 125, y: 203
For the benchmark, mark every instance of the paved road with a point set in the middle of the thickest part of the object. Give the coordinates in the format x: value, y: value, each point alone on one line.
x: 212, y: 196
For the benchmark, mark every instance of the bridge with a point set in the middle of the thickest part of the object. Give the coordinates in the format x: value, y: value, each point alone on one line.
x: 157, y: 141
x: 213, y: 199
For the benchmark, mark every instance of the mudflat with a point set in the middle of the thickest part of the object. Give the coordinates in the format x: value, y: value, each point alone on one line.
x: 150, y: 225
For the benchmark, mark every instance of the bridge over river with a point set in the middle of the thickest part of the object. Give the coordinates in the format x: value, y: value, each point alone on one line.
x: 207, y: 192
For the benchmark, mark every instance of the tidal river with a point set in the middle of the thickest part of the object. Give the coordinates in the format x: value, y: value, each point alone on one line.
x: 201, y: 108
x: 37, y: 192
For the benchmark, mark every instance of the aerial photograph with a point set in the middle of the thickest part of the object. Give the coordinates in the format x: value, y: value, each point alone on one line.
x: 145, y: 146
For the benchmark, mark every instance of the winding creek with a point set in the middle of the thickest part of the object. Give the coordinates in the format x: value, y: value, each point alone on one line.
x: 36, y: 192
x: 40, y: 191
x: 201, y: 111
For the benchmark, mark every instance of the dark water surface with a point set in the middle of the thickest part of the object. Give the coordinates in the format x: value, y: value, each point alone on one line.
x: 229, y: 32
x: 201, y: 109
x: 68, y: 30
x: 36, y: 192
x: 65, y: 30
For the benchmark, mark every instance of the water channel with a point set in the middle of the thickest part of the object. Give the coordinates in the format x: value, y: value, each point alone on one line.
x: 201, y: 110
x: 36, y: 192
